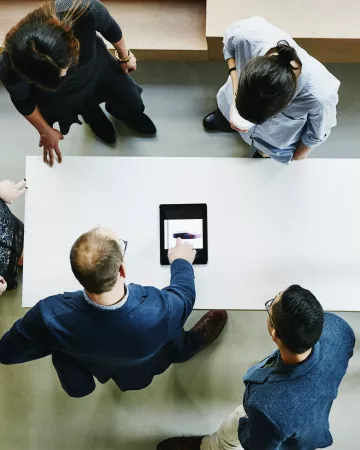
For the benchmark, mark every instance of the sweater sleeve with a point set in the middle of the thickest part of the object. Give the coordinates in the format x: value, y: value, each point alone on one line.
x: 20, y: 90
x: 258, y: 432
x: 27, y: 340
x: 105, y: 24
x: 180, y: 295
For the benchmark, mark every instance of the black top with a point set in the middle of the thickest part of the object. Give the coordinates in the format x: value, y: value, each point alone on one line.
x: 97, y: 18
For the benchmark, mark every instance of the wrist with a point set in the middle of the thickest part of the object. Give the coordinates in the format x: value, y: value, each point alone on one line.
x: 43, y: 128
x: 122, y: 52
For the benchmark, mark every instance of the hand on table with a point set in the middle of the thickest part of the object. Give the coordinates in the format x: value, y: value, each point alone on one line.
x: 129, y: 66
x: 50, y: 143
x: 3, y: 285
x: 10, y: 191
x: 182, y: 250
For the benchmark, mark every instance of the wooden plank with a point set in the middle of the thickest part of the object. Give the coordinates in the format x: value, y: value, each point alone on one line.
x: 324, y: 50
x: 320, y: 19
x: 161, y: 24
x: 154, y: 29
x: 329, y: 31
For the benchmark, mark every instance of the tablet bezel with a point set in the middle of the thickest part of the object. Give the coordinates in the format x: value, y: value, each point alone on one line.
x: 184, y: 211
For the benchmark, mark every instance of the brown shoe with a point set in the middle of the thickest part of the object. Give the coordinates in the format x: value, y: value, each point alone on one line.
x: 181, y: 443
x: 210, y: 326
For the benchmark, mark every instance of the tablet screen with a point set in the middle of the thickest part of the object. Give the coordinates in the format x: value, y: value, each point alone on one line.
x: 185, y: 221
x: 189, y: 230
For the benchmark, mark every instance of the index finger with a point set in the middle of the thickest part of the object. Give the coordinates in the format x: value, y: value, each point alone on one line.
x: 178, y: 241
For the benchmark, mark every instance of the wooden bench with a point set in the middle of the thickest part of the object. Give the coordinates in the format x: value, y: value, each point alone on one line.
x: 193, y: 29
x: 328, y: 30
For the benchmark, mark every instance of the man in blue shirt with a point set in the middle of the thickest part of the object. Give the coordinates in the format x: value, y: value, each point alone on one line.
x: 289, y: 395
x: 110, y: 330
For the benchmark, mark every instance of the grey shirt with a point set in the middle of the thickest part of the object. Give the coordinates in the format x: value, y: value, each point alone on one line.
x: 312, y: 112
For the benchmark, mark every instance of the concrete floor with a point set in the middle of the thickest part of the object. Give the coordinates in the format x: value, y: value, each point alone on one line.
x: 192, y: 398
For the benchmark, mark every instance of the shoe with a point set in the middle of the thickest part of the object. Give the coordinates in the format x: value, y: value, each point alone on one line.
x: 141, y: 124
x: 210, y: 326
x: 181, y: 443
x: 216, y: 121
x: 102, y: 127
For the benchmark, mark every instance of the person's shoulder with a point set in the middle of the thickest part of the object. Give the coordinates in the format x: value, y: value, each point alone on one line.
x: 322, y: 85
x: 60, y: 303
x: 333, y: 321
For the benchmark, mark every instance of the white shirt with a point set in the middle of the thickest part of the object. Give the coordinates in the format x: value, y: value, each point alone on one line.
x: 312, y: 112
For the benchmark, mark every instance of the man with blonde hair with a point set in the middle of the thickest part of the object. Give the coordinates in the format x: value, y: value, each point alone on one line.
x: 111, y: 330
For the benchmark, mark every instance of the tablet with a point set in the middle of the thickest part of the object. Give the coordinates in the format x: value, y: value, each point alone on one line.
x: 188, y: 222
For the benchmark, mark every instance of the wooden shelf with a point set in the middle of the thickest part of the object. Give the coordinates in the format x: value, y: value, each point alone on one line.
x: 193, y: 29
x: 163, y: 29
x: 13, y: 11
x: 153, y: 29
x: 329, y: 31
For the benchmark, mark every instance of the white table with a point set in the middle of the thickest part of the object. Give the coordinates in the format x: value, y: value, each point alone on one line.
x: 269, y: 225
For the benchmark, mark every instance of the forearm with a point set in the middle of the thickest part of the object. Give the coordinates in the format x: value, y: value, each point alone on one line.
x: 37, y: 121
x: 302, y: 152
x: 233, y: 74
x: 182, y: 280
x: 121, y: 48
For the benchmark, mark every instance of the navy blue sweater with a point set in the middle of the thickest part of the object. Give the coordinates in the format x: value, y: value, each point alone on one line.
x: 130, y: 344
x: 287, y: 406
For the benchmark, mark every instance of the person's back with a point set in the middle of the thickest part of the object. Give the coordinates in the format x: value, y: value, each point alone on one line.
x: 110, y: 330
x: 296, y: 399
x: 289, y: 394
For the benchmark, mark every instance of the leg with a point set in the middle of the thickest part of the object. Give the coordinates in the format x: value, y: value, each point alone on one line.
x: 124, y: 103
x: 226, y: 438
x: 100, y: 125
x: 216, y: 121
x: 121, y: 94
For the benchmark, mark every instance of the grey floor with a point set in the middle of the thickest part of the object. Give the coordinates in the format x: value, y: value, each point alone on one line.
x: 192, y: 398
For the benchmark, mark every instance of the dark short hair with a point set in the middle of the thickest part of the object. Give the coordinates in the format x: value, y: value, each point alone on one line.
x: 299, y: 319
x: 42, y: 44
x: 95, y: 261
x: 267, y: 84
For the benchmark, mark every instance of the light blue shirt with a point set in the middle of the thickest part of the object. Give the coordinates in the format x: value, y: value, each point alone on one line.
x: 312, y: 112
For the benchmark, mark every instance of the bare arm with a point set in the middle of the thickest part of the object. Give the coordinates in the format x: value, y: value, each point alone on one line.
x: 233, y: 74
x: 37, y: 121
x: 301, y: 152
x: 123, y: 52
x: 49, y: 137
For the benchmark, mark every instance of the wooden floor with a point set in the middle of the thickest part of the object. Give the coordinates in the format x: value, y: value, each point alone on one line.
x: 193, y: 29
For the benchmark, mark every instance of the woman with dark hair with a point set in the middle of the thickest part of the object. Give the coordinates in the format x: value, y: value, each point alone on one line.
x: 11, y: 235
x: 55, y: 68
x: 280, y: 99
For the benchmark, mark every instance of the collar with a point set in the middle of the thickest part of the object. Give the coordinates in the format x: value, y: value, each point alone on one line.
x: 285, y: 372
x: 108, y: 307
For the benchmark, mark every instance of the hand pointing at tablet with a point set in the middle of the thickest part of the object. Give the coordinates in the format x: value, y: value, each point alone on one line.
x: 182, y: 250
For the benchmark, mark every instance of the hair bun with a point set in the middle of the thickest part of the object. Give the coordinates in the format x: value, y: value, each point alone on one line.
x: 286, y: 53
